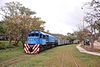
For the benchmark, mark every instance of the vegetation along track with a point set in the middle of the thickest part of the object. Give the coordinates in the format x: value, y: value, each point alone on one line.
x: 14, y: 60
x: 62, y: 56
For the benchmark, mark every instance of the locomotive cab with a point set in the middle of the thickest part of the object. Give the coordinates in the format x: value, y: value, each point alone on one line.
x: 36, y: 37
x: 33, y: 38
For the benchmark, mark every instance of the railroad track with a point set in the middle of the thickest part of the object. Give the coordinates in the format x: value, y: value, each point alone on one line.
x: 73, y: 59
x: 76, y: 64
x: 66, y: 59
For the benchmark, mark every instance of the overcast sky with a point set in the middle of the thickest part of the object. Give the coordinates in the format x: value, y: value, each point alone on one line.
x: 61, y: 16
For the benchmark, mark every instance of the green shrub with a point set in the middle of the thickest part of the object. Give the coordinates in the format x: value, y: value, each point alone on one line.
x: 2, y: 45
x: 5, y: 45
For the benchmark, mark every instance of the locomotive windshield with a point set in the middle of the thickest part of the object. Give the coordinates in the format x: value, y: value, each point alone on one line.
x: 34, y: 34
x: 31, y: 35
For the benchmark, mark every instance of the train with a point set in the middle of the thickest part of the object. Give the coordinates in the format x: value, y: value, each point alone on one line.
x: 38, y: 41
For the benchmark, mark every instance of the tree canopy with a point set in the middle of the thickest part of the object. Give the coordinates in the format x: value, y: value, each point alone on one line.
x: 92, y: 17
x: 18, y: 21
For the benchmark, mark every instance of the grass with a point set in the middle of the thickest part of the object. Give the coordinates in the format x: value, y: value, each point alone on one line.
x: 10, y: 52
x: 62, y: 56
x: 6, y: 45
x: 86, y: 59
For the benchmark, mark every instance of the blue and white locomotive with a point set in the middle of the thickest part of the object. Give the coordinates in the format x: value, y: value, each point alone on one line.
x: 38, y: 41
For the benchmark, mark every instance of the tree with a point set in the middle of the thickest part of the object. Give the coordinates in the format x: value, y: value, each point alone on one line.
x: 2, y: 31
x: 15, y: 8
x: 92, y: 17
x: 15, y: 28
x: 71, y: 37
x: 79, y: 35
x: 18, y: 21
x: 37, y: 23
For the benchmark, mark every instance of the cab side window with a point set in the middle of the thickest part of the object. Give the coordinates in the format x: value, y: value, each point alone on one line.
x: 44, y: 36
x: 41, y: 36
x: 47, y: 36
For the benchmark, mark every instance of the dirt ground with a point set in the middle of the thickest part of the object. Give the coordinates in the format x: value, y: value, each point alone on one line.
x: 95, y: 49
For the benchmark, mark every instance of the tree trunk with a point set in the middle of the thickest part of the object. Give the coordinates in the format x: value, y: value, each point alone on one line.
x: 23, y: 39
x: 10, y: 40
x: 92, y: 45
x: 16, y: 43
x: 82, y: 42
x: 92, y: 42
